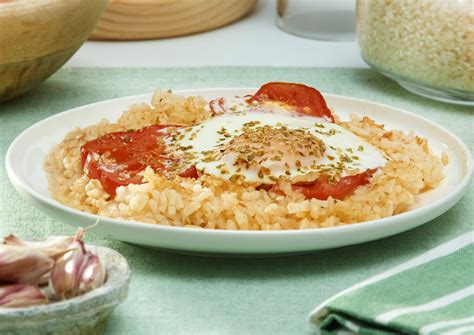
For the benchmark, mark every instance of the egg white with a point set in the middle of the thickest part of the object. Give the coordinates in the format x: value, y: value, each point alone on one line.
x: 237, y: 105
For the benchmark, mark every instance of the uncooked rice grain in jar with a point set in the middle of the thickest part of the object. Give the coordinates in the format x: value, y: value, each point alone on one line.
x: 427, y: 46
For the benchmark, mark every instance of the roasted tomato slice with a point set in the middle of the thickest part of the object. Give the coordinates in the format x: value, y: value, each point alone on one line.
x: 323, y: 188
x: 115, y: 159
x: 305, y: 99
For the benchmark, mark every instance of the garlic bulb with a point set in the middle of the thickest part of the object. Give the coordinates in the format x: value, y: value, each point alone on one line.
x: 61, y: 261
x: 21, y: 295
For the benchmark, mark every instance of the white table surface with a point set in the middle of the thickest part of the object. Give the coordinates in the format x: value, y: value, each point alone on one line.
x: 253, y: 41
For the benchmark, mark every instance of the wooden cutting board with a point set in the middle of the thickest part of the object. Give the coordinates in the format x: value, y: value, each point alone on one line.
x: 150, y: 19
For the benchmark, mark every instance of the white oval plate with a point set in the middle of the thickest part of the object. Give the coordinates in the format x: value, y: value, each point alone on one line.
x: 25, y: 157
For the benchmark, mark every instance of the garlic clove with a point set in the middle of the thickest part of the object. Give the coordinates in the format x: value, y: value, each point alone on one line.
x: 92, y: 274
x: 76, y: 272
x: 21, y: 295
x: 64, y: 278
x: 24, y: 266
x: 52, y: 245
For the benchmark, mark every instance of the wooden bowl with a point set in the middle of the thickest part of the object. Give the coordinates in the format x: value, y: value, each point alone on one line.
x: 38, y: 37
x: 138, y: 20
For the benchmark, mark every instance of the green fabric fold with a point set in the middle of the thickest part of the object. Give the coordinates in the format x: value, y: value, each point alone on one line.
x: 336, y: 323
x: 430, y: 294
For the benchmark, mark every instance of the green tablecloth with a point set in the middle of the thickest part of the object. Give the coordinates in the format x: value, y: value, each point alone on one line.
x: 176, y: 294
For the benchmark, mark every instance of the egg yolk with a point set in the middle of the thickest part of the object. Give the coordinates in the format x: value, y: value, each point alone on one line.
x: 270, y: 148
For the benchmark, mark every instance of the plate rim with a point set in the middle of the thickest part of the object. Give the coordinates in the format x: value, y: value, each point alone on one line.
x: 457, y: 192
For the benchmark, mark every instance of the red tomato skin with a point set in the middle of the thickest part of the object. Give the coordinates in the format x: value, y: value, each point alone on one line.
x: 220, y: 104
x: 307, y: 100
x: 191, y: 172
x: 322, y: 188
x: 108, y: 142
x: 127, y: 152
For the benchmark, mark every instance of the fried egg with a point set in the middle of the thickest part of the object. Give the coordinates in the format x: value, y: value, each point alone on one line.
x: 261, y: 147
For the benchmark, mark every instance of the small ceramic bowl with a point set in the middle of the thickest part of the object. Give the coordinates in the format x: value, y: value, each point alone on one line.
x: 86, y: 314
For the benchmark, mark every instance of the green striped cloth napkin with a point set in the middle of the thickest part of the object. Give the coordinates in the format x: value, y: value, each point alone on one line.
x: 430, y: 294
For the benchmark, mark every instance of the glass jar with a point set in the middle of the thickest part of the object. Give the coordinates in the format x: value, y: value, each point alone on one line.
x: 427, y: 46
x: 325, y: 20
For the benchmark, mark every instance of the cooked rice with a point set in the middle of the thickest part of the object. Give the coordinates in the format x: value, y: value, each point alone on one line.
x: 213, y: 203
